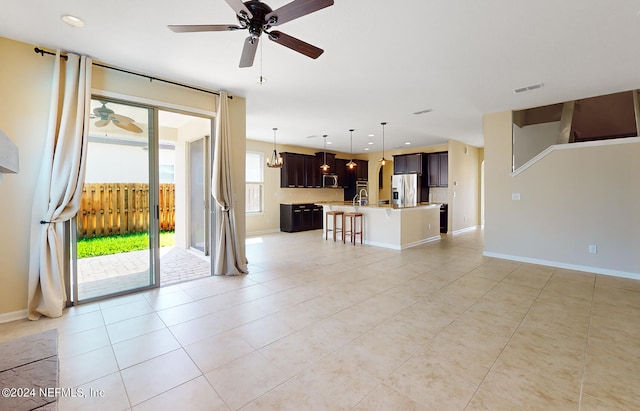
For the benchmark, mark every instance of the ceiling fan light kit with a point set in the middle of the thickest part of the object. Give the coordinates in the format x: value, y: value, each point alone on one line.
x: 258, y: 18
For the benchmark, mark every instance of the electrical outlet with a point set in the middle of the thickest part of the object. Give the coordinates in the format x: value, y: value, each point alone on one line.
x: 593, y: 249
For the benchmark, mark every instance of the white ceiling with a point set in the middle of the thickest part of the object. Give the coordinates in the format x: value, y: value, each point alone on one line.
x: 383, y: 60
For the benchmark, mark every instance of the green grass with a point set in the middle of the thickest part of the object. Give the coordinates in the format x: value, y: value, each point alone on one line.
x: 91, y: 247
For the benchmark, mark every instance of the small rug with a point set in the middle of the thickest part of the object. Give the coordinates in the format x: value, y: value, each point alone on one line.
x: 29, y: 372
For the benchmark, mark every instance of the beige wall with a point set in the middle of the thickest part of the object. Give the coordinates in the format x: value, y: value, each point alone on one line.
x: 586, y: 194
x: 464, y: 186
x: 25, y: 87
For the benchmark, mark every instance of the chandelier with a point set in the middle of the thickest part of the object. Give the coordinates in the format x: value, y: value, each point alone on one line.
x: 275, y: 161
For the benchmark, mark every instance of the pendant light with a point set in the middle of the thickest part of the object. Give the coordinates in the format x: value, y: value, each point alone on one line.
x: 325, y: 167
x: 275, y: 161
x: 383, y: 160
x: 351, y: 163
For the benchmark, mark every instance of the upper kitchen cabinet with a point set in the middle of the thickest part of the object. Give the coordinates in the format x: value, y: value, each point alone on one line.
x: 410, y: 163
x: 292, y: 171
x: 400, y: 164
x: 438, y: 174
x: 300, y: 170
x: 341, y: 171
x: 312, y: 172
x: 362, y: 170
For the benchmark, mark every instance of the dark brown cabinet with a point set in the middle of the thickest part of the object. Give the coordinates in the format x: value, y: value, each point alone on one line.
x: 399, y: 164
x: 300, y: 217
x: 438, y: 174
x: 292, y: 171
x: 312, y: 172
x: 362, y: 170
x: 410, y: 163
x: 300, y: 170
x: 341, y: 172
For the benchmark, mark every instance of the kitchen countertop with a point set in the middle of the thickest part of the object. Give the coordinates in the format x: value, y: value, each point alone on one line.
x: 386, y: 206
x: 393, y: 227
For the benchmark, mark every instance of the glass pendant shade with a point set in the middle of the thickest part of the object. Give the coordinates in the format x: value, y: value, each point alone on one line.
x: 351, y: 164
x: 383, y: 160
x: 325, y: 167
x: 275, y: 161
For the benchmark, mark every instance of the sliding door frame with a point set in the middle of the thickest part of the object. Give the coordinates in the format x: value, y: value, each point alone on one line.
x: 70, y: 262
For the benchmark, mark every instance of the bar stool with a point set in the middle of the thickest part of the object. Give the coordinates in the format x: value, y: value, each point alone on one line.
x: 334, y: 228
x: 352, y: 232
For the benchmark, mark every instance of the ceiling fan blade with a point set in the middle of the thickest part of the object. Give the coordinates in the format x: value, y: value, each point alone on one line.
x: 239, y: 7
x: 129, y: 127
x: 295, y: 44
x: 249, y: 51
x: 119, y: 118
x: 125, y: 123
x: 297, y: 8
x: 190, y: 28
x: 101, y: 123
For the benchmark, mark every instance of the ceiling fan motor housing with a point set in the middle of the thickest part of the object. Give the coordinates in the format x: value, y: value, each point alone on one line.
x: 257, y: 24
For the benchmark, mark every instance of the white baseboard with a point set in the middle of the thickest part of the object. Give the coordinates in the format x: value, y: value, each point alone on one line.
x: 404, y: 246
x: 466, y: 230
x: 594, y: 270
x: 16, y: 315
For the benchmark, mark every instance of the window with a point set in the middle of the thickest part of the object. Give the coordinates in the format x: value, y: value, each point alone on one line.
x: 255, y: 182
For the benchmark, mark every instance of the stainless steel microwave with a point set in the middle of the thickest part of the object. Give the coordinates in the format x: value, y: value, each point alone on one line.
x: 330, y: 180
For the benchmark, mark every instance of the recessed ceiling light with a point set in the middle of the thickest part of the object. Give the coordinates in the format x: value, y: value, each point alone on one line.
x: 408, y: 143
x: 366, y: 149
x: 372, y: 135
x: 73, y: 21
x: 329, y: 142
x: 261, y: 79
x: 370, y: 143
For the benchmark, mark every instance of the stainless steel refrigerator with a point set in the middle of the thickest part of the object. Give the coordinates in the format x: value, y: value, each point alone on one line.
x: 404, y: 190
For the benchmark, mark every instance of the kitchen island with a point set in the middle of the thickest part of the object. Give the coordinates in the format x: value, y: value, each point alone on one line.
x: 395, y: 228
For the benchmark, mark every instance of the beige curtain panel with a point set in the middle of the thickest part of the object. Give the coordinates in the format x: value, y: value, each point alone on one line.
x: 59, y: 187
x: 227, y: 259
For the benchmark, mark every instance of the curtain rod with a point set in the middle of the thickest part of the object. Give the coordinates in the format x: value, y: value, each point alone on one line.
x: 64, y: 57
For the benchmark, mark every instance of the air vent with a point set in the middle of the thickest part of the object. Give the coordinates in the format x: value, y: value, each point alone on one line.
x: 528, y: 88
x: 429, y: 110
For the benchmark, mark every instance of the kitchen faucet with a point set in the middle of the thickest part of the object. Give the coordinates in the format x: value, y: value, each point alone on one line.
x: 365, y: 194
x: 358, y: 197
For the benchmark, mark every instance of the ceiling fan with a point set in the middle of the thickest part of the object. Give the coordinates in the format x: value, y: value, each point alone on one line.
x: 258, y: 18
x: 106, y: 116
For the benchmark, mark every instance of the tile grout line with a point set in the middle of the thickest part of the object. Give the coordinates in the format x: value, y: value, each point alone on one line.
x: 586, y: 345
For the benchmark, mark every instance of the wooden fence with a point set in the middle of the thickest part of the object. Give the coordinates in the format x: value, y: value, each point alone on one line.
x: 122, y: 208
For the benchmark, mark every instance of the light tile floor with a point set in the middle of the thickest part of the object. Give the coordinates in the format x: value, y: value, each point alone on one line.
x: 319, y: 325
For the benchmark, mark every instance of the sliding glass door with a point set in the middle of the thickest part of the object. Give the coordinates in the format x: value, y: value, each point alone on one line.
x: 198, y: 195
x: 116, y: 239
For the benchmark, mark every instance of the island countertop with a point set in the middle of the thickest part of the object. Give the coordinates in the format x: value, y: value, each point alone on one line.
x: 393, y: 227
